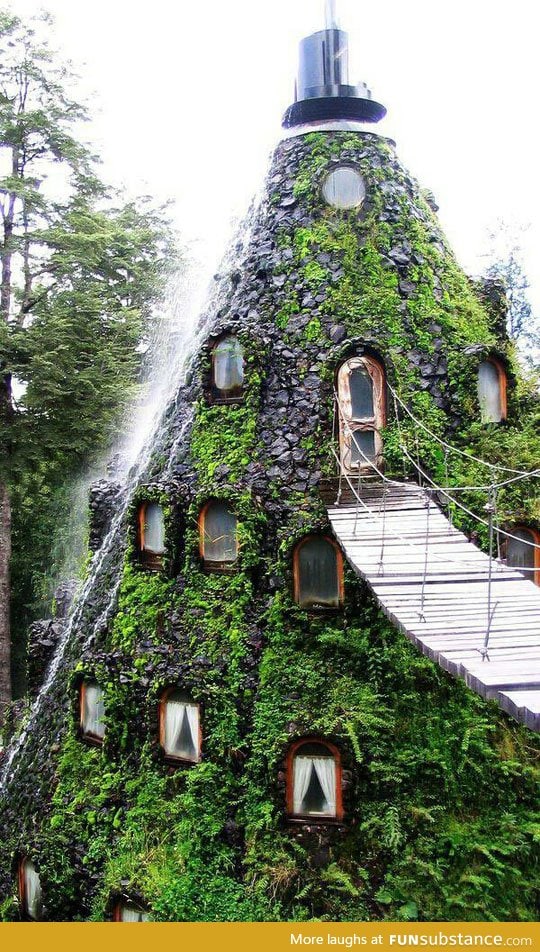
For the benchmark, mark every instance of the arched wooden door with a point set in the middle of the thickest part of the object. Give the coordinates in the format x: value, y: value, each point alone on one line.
x: 362, y: 414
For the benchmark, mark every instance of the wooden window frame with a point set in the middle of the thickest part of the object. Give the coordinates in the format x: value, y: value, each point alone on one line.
x: 216, y: 395
x: 152, y: 560
x: 225, y: 568
x: 503, y: 386
x: 535, y: 575
x: 21, y: 881
x: 289, y: 771
x: 374, y: 424
x: 87, y: 736
x: 339, y: 566
x: 171, y: 758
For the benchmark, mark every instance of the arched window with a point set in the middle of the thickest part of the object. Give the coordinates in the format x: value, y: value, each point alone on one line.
x: 151, y: 534
x: 492, y: 390
x: 362, y: 413
x: 129, y: 912
x: 521, y: 552
x: 227, y: 369
x: 318, y: 573
x: 218, y: 540
x: 30, y: 892
x: 92, y: 712
x: 314, y: 780
x: 179, y: 727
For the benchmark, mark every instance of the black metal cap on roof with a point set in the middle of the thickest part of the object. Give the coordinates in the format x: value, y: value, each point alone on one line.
x: 322, y: 88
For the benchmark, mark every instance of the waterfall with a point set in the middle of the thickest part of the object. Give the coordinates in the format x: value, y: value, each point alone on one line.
x: 172, y: 358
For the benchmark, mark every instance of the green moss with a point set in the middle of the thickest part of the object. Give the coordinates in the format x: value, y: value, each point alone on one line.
x: 223, y: 436
x: 143, y: 601
x: 442, y: 786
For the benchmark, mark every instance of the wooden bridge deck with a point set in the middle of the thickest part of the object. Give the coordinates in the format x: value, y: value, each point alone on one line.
x: 385, y: 542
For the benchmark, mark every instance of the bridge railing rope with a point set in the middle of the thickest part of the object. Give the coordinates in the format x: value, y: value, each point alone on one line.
x: 520, y: 474
x: 494, y: 531
x: 446, y: 491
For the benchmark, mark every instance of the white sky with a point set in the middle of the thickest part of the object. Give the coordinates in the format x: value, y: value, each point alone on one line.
x: 188, y: 97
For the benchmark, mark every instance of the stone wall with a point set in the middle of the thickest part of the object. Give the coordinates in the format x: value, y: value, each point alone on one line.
x: 435, y: 781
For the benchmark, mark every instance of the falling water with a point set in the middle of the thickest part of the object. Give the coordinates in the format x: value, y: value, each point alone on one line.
x: 171, y: 362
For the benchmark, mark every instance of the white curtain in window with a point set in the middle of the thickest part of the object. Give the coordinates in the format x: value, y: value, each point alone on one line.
x: 154, y: 529
x: 326, y: 773
x: 193, y: 719
x: 132, y: 914
x: 302, y: 767
x: 93, y: 719
x: 32, y: 890
x: 174, y: 744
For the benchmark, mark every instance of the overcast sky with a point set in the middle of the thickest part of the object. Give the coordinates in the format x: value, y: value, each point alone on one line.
x: 188, y: 97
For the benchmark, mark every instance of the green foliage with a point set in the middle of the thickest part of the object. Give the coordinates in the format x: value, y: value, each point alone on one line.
x: 441, y: 789
x: 81, y: 278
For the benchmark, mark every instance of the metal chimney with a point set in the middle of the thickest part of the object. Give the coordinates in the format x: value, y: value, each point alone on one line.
x: 323, y: 90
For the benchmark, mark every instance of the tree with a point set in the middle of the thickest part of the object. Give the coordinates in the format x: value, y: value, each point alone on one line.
x: 80, y: 273
x: 507, y: 267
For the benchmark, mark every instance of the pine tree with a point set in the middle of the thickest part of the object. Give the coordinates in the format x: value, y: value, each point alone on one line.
x: 80, y: 271
x: 507, y: 267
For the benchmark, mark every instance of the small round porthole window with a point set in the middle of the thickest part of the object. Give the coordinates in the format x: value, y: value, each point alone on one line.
x: 344, y: 188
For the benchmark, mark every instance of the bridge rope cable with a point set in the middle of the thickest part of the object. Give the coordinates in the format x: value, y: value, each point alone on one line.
x: 421, y: 614
x: 417, y: 547
x: 492, y: 523
x: 434, y: 486
x: 360, y: 502
x: 473, y: 515
x: 491, y: 509
x: 521, y: 474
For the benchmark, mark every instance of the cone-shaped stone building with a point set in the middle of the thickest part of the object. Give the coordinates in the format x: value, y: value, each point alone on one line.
x: 232, y: 729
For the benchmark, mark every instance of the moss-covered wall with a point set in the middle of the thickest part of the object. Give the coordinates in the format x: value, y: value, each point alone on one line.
x: 439, y: 788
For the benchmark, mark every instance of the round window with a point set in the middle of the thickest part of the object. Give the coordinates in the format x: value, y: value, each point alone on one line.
x: 344, y: 188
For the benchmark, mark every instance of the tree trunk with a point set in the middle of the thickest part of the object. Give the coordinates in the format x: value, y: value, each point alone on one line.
x: 5, y: 636
x: 6, y: 409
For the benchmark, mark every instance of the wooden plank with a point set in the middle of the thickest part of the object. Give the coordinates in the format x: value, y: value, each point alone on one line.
x: 455, y: 589
x: 522, y: 710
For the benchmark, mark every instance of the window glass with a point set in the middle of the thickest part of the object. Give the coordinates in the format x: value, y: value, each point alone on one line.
x: 520, y: 552
x: 219, y: 540
x: 180, y: 730
x: 228, y: 366
x: 318, y: 573
x: 489, y: 392
x: 314, y: 781
x: 361, y: 396
x: 362, y: 446
x: 361, y: 388
x: 344, y: 188
x: 131, y: 913
x: 31, y: 890
x: 92, y: 710
x: 153, y: 539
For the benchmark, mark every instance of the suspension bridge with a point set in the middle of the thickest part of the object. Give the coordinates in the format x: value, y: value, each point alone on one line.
x: 476, y: 617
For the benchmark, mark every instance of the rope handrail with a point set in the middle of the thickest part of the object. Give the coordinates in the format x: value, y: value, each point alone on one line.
x: 520, y: 474
x: 439, y: 489
x: 491, y: 508
x: 477, y: 518
x: 397, y: 535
